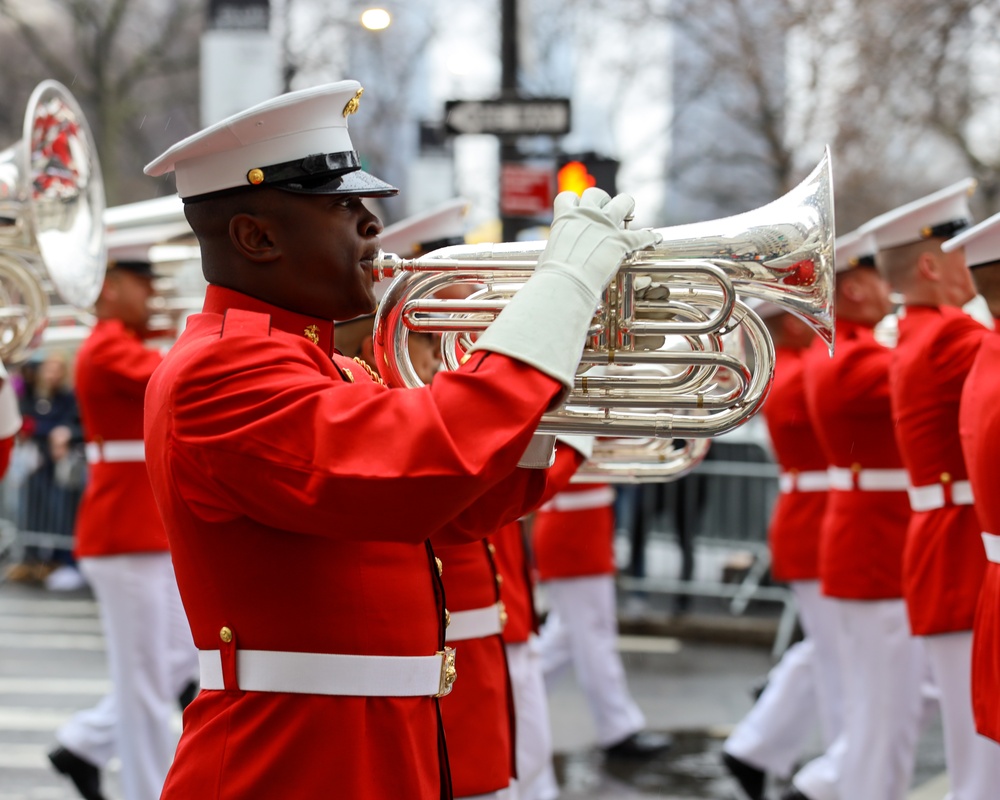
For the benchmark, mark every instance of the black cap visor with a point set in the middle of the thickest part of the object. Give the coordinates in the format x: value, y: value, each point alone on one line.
x: 356, y: 182
x: 141, y: 268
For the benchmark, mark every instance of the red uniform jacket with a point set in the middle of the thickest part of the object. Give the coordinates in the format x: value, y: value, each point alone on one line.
x: 514, y: 564
x: 479, y: 712
x: 943, y: 562
x: 798, y: 515
x: 299, y: 496
x: 861, y: 544
x: 117, y: 511
x: 573, y: 534
x: 979, y: 421
x: 478, y: 716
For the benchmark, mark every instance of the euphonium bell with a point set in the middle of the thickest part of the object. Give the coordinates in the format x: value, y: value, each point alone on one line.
x: 51, y: 231
x: 690, y: 287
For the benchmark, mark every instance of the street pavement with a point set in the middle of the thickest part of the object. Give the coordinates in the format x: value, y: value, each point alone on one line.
x: 52, y: 664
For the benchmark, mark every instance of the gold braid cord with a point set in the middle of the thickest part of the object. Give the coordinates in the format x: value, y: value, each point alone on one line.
x: 371, y: 373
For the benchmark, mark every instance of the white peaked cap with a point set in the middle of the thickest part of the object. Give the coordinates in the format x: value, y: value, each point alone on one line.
x: 296, y: 141
x: 942, y: 213
x: 981, y: 242
x: 128, y: 252
x: 438, y: 227
x: 854, y: 249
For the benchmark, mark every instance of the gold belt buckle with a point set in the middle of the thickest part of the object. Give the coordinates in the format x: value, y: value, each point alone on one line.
x: 448, y: 672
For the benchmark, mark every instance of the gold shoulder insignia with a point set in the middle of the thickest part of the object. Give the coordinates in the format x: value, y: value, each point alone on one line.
x: 312, y: 333
x: 352, y: 104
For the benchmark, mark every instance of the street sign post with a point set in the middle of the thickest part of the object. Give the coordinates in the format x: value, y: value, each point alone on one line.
x: 528, y: 116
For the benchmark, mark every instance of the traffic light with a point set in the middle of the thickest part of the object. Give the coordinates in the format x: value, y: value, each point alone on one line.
x: 579, y: 172
x: 574, y: 177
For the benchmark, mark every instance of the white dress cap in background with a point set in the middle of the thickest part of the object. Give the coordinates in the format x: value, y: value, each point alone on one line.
x: 941, y: 214
x: 854, y: 249
x: 441, y: 226
x: 981, y: 243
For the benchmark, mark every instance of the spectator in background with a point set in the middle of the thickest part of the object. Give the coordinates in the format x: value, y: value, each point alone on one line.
x: 48, y: 497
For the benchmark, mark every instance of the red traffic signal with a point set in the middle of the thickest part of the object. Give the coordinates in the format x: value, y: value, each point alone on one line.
x: 574, y: 177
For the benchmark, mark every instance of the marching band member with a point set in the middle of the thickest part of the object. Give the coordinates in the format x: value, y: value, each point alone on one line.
x: 573, y: 545
x: 979, y: 424
x: 805, y: 684
x: 121, y: 548
x: 481, y: 714
x: 532, y: 730
x: 943, y: 562
x: 861, y: 547
x: 271, y: 455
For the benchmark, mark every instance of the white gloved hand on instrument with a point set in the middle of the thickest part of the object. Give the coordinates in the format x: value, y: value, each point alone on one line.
x: 587, y: 240
x: 545, y: 323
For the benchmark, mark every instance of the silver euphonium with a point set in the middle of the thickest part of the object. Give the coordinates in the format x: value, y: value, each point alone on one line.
x: 51, y: 230
x: 634, y: 460
x: 781, y: 253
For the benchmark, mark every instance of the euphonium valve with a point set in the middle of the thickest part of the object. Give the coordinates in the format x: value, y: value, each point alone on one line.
x: 690, y: 289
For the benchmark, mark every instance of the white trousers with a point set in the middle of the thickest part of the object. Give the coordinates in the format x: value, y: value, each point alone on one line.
x: 582, y: 629
x: 151, y: 658
x: 882, y: 671
x: 510, y: 793
x: 973, y: 760
x: 802, y: 693
x: 531, y: 722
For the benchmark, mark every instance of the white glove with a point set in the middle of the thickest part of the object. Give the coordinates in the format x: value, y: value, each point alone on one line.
x: 545, y: 323
x: 587, y: 241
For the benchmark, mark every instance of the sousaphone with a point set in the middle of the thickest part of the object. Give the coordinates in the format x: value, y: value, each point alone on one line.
x: 51, y: 219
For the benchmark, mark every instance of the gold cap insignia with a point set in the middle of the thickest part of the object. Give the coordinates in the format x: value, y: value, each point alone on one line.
x: 255, y: 176
x: 352, y: 104
x: 312, y: 333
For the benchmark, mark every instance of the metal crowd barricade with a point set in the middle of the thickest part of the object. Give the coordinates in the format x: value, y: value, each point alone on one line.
x: 718, y: 511
x: 37, y: 511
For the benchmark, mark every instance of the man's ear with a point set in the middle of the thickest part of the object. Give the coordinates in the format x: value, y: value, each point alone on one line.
x: 251, y: 236
x: 928, y: 267
x: 109, y: 289
x: 850, y: 287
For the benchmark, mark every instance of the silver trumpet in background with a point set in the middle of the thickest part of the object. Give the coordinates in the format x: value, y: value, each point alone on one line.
x: 51, y: 230
x: 691, y: 287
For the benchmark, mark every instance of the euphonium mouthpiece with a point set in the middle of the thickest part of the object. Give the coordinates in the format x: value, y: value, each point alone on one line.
x: 385, y: 266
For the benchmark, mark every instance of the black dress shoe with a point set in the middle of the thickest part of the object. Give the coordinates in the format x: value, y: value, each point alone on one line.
x: 791, y: 793
x: 750, y: 779
x: 85, y: 776
x: 644, y: 744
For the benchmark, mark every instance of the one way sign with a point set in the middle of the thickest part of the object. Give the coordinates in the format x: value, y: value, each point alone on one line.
x: 528, y: 116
